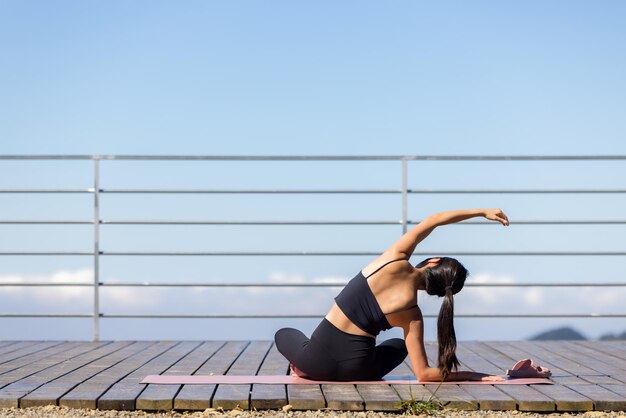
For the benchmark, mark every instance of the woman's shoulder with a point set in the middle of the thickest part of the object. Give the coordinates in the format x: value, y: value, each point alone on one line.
x: 390, y: 265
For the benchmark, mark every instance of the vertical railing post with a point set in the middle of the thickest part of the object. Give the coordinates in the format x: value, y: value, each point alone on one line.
x: 96, y: 248
x: 404, y: 196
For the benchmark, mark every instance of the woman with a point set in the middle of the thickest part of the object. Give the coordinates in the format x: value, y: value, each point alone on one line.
x: 382, y: 296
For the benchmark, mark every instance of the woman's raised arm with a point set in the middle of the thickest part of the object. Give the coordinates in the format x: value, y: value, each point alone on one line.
x: 405, y: 246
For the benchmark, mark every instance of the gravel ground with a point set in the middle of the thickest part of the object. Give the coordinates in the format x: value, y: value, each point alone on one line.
x: 55, y: 411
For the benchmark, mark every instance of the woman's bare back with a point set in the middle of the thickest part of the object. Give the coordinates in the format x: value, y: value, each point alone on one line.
x: 394, y: 288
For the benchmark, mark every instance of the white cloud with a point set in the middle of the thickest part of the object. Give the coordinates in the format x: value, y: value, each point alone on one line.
x: 485, y: 295
x: 282, y: 277
x: 59, y: 298
x: 549, y: 300
x: 330, y: 279
x: 534, y: 297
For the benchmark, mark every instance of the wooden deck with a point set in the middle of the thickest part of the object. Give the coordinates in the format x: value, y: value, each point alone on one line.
x: 106, y: 375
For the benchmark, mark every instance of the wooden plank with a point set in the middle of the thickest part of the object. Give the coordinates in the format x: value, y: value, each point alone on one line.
x: 452, y: 396
x: 238, y: 396
x: 602, y: 361
x: 198, y: 397
x: 619, y: 389
x: 27, y: 355
x: 560, y: 355
x: 600, y: 379
x: 617, y: 346
x: 515, y: 350
x: 45, y: 369
x: 379, y: 397
x: 305, y: 397
x: 74, y: 372
x: 50, y: 392
x: 11, y: 351
x: 501, y: 361
x: 161, y: 397
x: 6, y: 343
x: 271, y: 396
x: 476, y: 362
x: 526, y: 397
x: 614, y: 348
x: 122, y: 395
x: 613, y: 369
x: 565, y: 398
x: 410, y: 392
x: 603, y: 398
x: 488, y: 396
x: 589, y: 369
x: 612, y: 366
x: 343, y: 397
x: 86, y: 394
x: 25, y: 365
x: 383, y: 397
x: 54, y: 378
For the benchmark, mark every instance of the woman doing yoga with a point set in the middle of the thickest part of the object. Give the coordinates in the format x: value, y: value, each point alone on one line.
x: 382, y: 296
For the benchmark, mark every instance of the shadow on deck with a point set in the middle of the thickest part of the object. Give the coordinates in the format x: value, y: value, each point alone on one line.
x: 106, y: 375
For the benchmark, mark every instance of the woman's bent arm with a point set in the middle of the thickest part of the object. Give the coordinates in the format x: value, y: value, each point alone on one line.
x: 405, y: 246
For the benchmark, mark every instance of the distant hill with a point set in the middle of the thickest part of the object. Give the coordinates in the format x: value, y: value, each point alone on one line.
x: 565, y: 333
x: 621, y: 336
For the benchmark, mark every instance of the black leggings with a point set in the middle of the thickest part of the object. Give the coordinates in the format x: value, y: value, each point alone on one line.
x: 332, y: 354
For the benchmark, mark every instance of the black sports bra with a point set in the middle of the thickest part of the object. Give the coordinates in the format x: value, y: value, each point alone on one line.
x: 358, y: 303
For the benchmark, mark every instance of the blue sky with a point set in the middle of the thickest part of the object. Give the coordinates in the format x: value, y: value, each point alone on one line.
x: 310, y: 78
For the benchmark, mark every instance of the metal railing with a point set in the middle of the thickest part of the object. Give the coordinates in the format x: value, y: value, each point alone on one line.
x: 404, y: 222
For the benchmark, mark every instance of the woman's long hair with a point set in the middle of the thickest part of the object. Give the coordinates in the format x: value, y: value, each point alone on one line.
x: 444, y: 280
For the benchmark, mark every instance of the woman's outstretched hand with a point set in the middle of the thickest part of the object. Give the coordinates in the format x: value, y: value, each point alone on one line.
x: 496, y: 215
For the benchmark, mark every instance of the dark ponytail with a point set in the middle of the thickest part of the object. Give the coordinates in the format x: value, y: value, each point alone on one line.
x: 444, y: 280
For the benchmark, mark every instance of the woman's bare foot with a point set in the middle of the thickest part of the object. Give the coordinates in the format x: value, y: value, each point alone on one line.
x: 296, y: 372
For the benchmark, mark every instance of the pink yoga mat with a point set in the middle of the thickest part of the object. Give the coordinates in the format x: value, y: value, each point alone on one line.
x: 165, y: 379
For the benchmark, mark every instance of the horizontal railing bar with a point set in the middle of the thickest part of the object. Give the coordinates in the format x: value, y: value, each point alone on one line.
x: 243, y: 316
x: 33, y: 253
x: 316, y: 191
x: 513, y: 191
x: 306, y: 253
x: 253, y: 191
x: 546, y: 222
x: 288, y: 223
x: 331, y: 284
x: 44, y: 284
x: 34, y: 191
x: 363, y: 191
x: 330, y: 222
x: 356, y: 253
x: 29, y: 315
x: 277, y: 316
x: 545, y: 284
x: 200, y: 222
x: 336, y: 284
x: 321, y: 157
x: 47, y: 157
x: 237, y: 253
x: 44, y: 222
